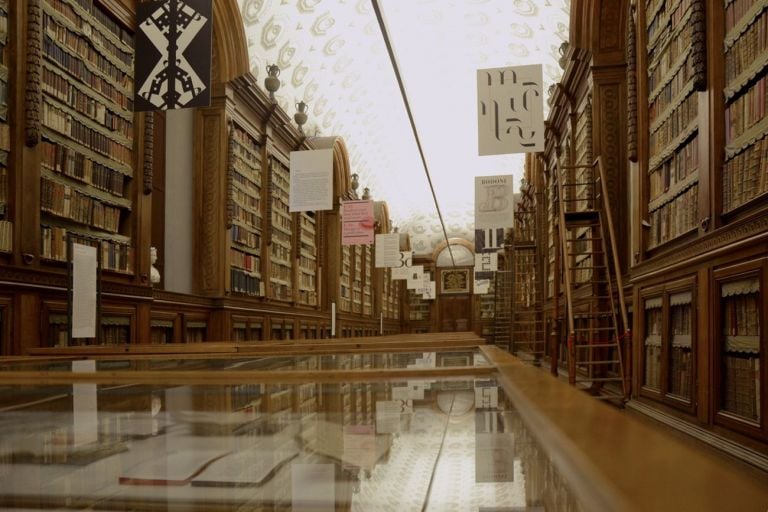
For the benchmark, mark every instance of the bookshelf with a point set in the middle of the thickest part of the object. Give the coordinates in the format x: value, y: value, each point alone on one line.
x: 357, y: 279
x: 367, y: 280
x: 740, y: 334
x: 88, y: 131
x: 652, y: 343
x: 674, y: 77
x: 246, y: 219
x: 308, y: 259
x: 6, y: 226
x: 418, y: 307
x: 345, y: 290
x: 681, y: 345
x: 281, y: 270
x: 745, y: 169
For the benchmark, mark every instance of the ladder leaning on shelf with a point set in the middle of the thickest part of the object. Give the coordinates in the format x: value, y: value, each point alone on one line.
x: 502, y: 314
x: 527, y: 329
x: 596, y: 314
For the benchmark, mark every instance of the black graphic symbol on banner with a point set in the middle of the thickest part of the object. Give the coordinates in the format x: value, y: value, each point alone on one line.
x: 178, y: 34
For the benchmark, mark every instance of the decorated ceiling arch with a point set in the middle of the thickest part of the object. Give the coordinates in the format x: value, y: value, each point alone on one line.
x: 332, y: 56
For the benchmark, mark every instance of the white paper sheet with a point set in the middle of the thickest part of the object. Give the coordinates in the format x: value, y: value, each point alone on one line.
x: 84, y: 267
x: 403, y: 269
x: 388, y: 250
x: 482, y: 286
x: 85, y: 406
x: 415, y: 277
x: 311, y: 187
x: 494, y: 202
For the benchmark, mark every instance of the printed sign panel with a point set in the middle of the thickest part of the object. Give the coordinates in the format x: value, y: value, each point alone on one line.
x: 487, y: 240
x: 494, y: 202
x: 311, y: 187
x: 510, y: 113
x: 173, y: 54
x: 357, y: 222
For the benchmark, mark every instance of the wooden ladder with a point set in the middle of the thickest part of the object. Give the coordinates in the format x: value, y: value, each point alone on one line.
x: 596, y: 314
x: 502, y: 316
x: 528, y: 340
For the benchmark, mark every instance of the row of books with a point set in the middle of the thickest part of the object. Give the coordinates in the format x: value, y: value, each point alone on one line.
x: 242, y: 282
x: 79, y: 70
x: 245, y: 237
x: 670, y: 92
x: 68, y: 202
x: 306, y: 281
x: 73, y: 164
x: 746, y: 111
x: 741, y: 315
x: 280, y: 272
x: 82, y: 48
x: 741, y: 386
x: 247, y: 180
x: 115, y: 334
x: 66, y: 124
x: 745, y: 176
x: 114, y: 255
x: 104, y: 19
x: 751, y: 46
x: 666, y: 55
x: 281, y: 253
x: 246, y: 216
x: 93, y: 31
x: 675, y: 218
x: 3, y: 185
x: 307, y: 247
x: 244, y: 261
x: 677, y: 122
x: 280, y: 291
x: 281, y: 238
x: 681, y: 319
x: 280, y: 178
x: 683, y: 163
x: 248, y: 154
x: 667, y: 19
x: 279, y: 218
x: 736, y: 10
x: 306, y: 263
x: 652, y: 363
x: 6, y: 236
x: 680, y: 372
x: 59, y: 87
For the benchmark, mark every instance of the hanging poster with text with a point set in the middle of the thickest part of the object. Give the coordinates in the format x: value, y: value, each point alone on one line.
x: 388, y: 250
x: 173, y: 54
x: 357, y: 222
x: 494, y: 202
x: 489, y: 239
x: 510, y: 110
x: 311, y: 187
x: 415, y: 278
x: 486, y: 264
x: 84, y: 267
x: 403, y: 269
x: 482, y: 286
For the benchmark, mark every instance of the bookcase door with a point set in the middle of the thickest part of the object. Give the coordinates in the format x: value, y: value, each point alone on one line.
x: 740, y: 353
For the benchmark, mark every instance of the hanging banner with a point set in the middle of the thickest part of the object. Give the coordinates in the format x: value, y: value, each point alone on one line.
x: 403, y: 269
x: 486, y: 264
x: 494, y: 202
x: 482, y: 286
x: 415, y: 278
x: 311, y: 187
x: 173, y: 54
x: 510, y: 113
x: 388, y: 250
x: 84, y: 267
x: 487, y: 240
x: 357, y: 222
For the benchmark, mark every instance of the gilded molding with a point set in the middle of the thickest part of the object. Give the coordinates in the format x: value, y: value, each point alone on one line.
x: 207, y: 248
x: 33, y: 97
x: 699, y: 45
x: 631, y: 86
x: 230, y: 172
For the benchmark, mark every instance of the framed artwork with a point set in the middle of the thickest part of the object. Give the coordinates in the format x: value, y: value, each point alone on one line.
x: 454, y: 281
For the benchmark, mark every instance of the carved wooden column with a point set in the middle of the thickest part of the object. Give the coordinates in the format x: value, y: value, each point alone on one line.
x: 211, y: 198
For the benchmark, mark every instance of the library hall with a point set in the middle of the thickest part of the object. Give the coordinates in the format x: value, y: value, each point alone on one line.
x: 383, y: 255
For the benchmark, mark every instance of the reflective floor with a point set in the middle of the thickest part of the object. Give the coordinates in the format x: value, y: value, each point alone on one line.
x: 452, y: 444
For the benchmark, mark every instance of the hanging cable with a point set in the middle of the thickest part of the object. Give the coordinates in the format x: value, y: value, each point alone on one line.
x: 396, y: 69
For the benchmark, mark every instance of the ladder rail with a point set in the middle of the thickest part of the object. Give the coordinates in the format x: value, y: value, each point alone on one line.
x: 564, y: 250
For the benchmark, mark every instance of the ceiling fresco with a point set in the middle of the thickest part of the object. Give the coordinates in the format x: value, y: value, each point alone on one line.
x: 332, y: 56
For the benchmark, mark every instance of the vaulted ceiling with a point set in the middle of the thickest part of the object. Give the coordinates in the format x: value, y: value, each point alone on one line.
x: 332, y: 56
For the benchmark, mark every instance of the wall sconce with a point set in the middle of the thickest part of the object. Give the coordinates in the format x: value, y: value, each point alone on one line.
x: 272, y: 82
x: 301, y: 115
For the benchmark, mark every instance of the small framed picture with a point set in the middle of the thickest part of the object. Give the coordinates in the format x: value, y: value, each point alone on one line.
x: 454, y: 281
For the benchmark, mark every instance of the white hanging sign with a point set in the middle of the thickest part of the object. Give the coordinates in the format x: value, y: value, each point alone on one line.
x: 387, y: 250
x: 311, y: 187
x: 494, y: 202
x: 486, y: 264
x: 415, y: 278
x: 482, y: 286
x: 84, y: 267
x: 403, y: 269
x: 510, y: 110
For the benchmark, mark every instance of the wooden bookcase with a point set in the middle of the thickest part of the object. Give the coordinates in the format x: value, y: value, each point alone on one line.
x: 245, y: 192
x: 86, y: 179
x: 281, y: 271
x: 6, y: 224
x: 308, y: 259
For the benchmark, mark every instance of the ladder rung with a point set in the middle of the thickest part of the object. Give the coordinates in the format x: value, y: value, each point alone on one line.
x: 597, y: 362
x: 584, y: 253
x: 594, y: 329
x: 593, y: 346
x: 600, y: 379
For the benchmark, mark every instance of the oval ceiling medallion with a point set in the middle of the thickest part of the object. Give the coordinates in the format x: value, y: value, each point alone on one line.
x: 518, y: 50
x: 310, y: 91
x: 320, y: 106
x: 252, y: 9
x: 285, y: 55
x: 521, y: 30
x: 271, y: 32
x: 307, y: 5
x: 525, y: 7
x: 323, y: 24
x: 333, y: 45
x: 299, y: 73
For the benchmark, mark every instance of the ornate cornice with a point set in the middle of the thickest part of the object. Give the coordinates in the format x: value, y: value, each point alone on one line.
x: 33, y: 95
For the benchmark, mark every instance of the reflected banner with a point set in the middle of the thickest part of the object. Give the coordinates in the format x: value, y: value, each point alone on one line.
x: 510, y: 115
x: 173, y: 54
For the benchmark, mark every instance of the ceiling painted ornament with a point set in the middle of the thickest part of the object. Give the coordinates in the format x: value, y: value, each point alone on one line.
x: 333, y: 57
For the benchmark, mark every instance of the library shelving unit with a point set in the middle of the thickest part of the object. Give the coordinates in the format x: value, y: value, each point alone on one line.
x: 88, y: 133
x: 245, y: 191
x: 281, y: 270
x: 6, y: 225
x: 308, y: 259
